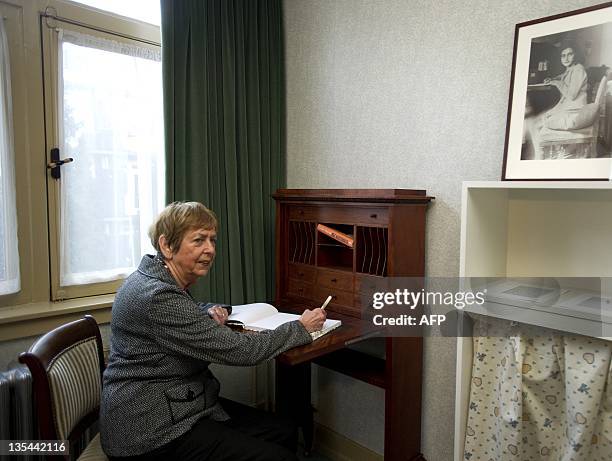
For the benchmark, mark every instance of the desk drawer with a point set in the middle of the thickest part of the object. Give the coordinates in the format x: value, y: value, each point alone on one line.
x: 302, y: 272
x: 353, y: 215
x: 302, y: 213
x: 339, y: 297
x: 372, y: 215
x: 300, y: 289
x: 363, y: 302
x: 340, y: 214
x: 368, y: 283
x: 335, y: 279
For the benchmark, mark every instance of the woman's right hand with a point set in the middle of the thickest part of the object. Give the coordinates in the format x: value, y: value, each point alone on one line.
x: 313, y: 319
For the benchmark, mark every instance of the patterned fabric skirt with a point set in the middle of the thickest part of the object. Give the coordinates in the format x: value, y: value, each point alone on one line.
x: 538, y: 394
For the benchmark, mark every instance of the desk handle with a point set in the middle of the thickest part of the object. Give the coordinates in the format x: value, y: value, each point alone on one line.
x: 374, y: 216
x: 334, y: 280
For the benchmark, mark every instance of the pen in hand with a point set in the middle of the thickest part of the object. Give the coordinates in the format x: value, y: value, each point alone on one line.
x: 313, y: 320
x: 329, y: 298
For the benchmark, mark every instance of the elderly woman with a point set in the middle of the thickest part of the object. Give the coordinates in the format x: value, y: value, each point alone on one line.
x: 159, y: 399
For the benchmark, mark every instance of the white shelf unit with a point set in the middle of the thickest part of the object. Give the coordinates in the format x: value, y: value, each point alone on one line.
x: 530, y: 229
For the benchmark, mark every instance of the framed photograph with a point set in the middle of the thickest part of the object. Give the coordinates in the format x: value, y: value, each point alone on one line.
x: 560, y: 109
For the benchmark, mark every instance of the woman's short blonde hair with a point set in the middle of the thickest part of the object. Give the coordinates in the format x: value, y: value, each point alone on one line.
x: 177, y: 219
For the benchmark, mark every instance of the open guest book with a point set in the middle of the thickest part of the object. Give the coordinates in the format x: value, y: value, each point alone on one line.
x: 262, y: 316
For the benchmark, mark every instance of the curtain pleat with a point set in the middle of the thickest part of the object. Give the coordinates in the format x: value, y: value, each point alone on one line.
x: 224, y: 115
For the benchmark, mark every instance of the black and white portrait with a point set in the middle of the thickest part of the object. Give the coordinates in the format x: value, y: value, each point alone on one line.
x: 567, y: 104
x: 560, y: 109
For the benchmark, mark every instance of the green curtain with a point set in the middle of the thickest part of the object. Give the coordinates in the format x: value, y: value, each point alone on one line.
x: 224, y: 109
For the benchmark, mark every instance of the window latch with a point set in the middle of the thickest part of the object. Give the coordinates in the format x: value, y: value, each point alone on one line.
x: 55, y: 163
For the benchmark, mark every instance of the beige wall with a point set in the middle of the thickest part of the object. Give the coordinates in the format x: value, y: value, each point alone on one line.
x: 401, y: 93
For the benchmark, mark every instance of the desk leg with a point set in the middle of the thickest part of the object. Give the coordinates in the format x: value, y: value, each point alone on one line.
x: 293, y: 398
x: 404, y: 365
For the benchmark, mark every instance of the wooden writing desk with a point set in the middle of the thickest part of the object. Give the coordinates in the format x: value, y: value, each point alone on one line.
x: 388, y: 228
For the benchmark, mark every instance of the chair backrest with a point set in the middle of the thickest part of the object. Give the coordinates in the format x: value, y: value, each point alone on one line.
x: 67, y: 365
x: 600, y: 103
x: 601, y: 90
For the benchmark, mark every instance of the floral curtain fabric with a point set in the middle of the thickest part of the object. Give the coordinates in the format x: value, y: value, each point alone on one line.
x: 537, y: 394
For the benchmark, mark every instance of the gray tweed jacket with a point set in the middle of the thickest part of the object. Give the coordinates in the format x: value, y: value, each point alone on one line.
x: 157, y: 383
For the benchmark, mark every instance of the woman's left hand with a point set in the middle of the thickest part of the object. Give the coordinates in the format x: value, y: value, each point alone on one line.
x: 218, y: 314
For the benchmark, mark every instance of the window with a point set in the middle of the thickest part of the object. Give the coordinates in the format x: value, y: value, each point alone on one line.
x: 9, y: 253
x: 109, y: 119
x: 87, y: 83
x: 103, y: 106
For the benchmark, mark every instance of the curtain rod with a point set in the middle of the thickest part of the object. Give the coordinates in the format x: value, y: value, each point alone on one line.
x: 45, y: 14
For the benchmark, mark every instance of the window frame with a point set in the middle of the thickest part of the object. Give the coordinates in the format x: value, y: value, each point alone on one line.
x: 20, y: 22
x: 36, y: 200
x: 50, y: 45
x: 10, y: 239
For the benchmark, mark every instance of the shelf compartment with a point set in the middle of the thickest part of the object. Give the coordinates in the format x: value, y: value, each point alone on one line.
x: 536, y: 230
x: 302, y: 242
x: 371, y: 246
x: 333, y: 254
x: 356, y: 365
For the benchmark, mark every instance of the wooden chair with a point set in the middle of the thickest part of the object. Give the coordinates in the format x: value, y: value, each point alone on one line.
x: 576, y: 141
x: 67, y: 365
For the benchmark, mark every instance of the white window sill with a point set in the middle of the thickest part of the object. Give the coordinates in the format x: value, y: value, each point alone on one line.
x: 37, y: 318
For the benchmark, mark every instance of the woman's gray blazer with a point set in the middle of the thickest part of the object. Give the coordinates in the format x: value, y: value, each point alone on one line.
x: 157, y: 383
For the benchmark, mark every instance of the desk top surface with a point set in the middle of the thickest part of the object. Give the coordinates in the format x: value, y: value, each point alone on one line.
x: 351, y: 331
x: 389, y: 196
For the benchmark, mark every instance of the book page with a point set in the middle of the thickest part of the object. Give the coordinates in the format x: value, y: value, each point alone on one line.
x: 249, y: 313
x: 273, y: 321
x: 262, y: 316
x: 328, y: 326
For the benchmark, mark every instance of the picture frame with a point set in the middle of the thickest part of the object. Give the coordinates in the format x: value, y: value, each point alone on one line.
x: 559, y: 124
